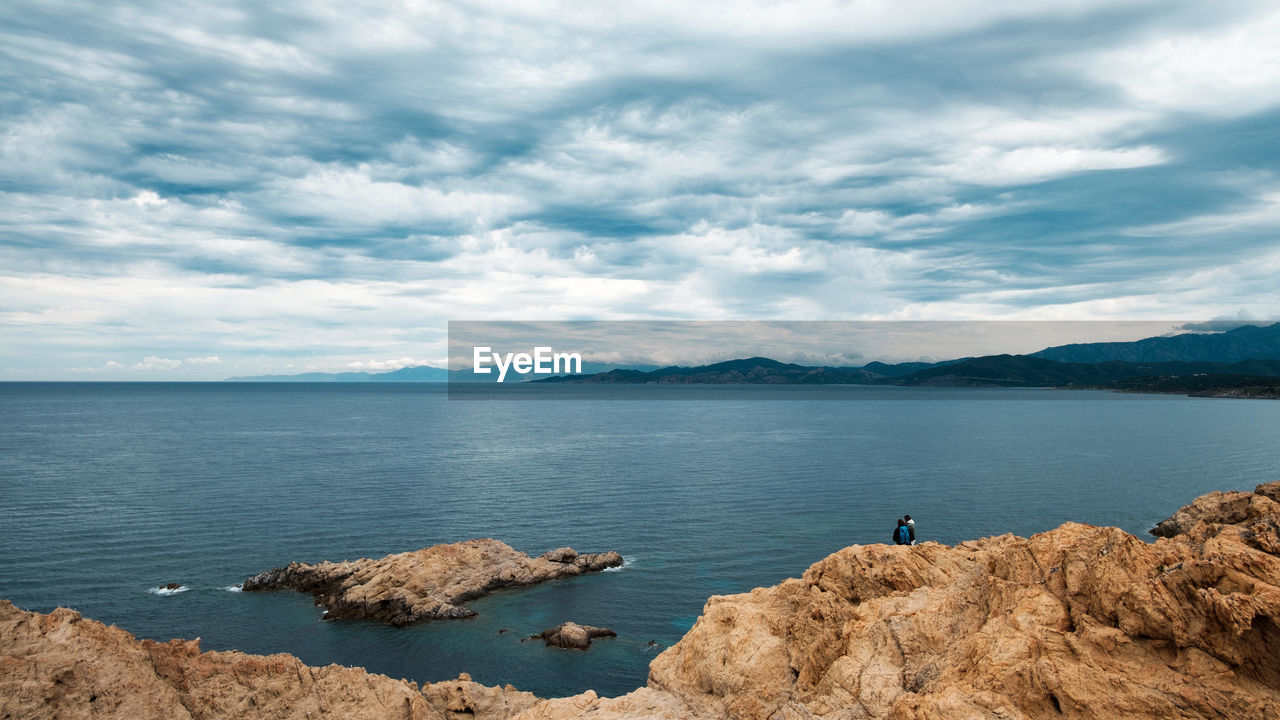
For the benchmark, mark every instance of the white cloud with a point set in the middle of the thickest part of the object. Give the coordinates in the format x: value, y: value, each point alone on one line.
x: 989, y: 166
x: 1227, y: 71
x: 196, y: 183
x: 384, y: 365
x: 350, y: 198
x: 151, y: 362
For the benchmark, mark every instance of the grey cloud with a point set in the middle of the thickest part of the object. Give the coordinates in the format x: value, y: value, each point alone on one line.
x: 489, y: 161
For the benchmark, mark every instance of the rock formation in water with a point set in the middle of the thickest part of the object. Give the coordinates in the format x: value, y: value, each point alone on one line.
x: 1077, y: 622
x: 425, y: 584
x: 572, y: 636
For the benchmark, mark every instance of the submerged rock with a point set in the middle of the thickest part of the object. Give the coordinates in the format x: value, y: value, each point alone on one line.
x: 425, y: 584
x: 573, y: 636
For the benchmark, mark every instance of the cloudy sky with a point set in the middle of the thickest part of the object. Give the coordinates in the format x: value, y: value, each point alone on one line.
x: 197, y: 190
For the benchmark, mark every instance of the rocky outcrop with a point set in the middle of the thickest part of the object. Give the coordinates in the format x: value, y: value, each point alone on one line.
x: 572, y: 636
x: 64, y: 666
x: 1077, y: 622
x: 1222, y: 508
x: 425, y: 584
x: 463, y: 699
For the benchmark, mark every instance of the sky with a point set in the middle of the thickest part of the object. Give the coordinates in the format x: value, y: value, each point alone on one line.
x: 201, y: 190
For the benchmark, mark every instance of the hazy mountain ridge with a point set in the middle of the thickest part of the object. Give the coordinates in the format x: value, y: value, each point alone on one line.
x: 1243, y: 343
x: 1033, y: 371
x: 1245, y: 350
x: 755, y: 370
x: 419, y: 373
x: 989, y: 371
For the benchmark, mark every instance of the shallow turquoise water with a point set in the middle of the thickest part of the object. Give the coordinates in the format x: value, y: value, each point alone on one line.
x: 107, y: 490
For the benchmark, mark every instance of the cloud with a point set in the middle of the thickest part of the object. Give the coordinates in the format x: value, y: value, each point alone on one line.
x: 1230, y: 70
x: 385, y: 365
x: 151, y: 362
x: 323, y: 183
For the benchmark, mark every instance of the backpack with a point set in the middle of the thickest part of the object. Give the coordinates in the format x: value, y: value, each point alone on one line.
x: 902, y: 535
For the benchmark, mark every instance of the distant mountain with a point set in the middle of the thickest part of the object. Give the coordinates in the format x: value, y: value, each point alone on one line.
x: 989, y: 371
x: 1227, y: 386
x: 421, y: 373
x: 906, y: 368
x: 1243, y: 343
x: 747, y: 371
x: 1246, y: 350
x: 1032, y: 371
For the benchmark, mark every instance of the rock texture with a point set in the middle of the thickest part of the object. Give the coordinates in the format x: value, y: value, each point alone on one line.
x: 425, y: 584
x: 1080, y: 622
x: 572, y: 636
x: 1077, y: 622
x: 63, y: 666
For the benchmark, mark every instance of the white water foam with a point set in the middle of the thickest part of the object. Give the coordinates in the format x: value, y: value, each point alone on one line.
x: 234, y: 588
x: 164, y: 591
x: 626, y: 563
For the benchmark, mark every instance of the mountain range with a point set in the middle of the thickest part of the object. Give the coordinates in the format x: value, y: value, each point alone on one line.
x: 1249, y: 350
x: 989, y: 371
x: 420, y: 373
x: 1243, y: 343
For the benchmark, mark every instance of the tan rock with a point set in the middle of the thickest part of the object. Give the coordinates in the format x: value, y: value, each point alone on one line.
x: 63, y: 666
x: 463, y: 699
x: 572, y: 636
x: 1078, y: 622
x: 431, y: 583
x: 1221, y: 508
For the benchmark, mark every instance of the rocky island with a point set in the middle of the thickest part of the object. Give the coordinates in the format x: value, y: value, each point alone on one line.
x: 426, y: 584
x: 572, y: 636
x: 1076, y: 622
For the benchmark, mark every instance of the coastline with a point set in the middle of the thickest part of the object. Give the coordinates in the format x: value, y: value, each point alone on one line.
x: 1031, y: 627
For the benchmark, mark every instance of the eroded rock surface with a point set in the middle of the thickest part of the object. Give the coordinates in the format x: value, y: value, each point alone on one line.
x: 1077, y: 622
x: 572, y: 636
x: 1080, y: 621
x: 64, y: 666
x: 425, y: 584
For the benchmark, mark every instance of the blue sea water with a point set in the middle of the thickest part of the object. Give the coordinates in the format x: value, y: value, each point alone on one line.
x: 108, y: 490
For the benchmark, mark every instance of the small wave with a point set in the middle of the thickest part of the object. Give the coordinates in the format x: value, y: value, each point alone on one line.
x: 168, y: 591
x: 626, y: 563
x: 234, y: 588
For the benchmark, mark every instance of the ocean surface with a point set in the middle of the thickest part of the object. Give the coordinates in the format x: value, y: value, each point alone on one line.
x: 109, y: 490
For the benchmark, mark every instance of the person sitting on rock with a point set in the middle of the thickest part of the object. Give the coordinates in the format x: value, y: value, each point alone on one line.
x: 902, y: 534
x: 911, y: 526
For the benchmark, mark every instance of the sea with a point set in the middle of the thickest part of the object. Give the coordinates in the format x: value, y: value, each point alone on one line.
x: 110, y: 490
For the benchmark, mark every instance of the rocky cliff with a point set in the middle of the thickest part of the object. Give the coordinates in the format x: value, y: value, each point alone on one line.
x: 1076, y: 622
x: 61, y: 665
x: 431, y: 583
x: 1080, y: 621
